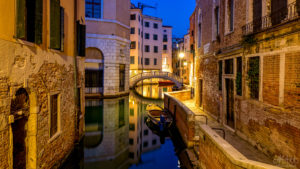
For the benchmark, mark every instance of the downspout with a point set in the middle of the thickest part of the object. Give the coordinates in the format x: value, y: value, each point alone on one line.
x: 75, y: 72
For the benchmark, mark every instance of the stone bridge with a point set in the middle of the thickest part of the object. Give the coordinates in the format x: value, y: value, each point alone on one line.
x: 161, y: 75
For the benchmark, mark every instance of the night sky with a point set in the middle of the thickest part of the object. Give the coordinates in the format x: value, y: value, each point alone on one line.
x: 174, y: 13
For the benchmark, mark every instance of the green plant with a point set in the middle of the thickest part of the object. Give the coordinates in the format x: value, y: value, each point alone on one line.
x: 248, y: 40
x: 238, y: 83
x: 253, y: 77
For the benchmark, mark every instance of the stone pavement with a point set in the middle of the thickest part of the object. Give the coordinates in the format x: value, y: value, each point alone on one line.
x: 241, y: 145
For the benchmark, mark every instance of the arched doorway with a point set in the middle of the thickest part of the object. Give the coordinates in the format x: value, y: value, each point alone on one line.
x: 20, y: 110
x: 94, y: 68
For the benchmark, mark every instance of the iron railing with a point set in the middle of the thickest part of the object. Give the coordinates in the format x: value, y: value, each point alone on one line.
x: 286, y: 14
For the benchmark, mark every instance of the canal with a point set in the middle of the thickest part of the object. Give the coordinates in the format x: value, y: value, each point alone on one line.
x: 116, y: 135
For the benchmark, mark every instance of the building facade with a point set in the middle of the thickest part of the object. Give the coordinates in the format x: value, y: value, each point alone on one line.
x: 167, y: 49
x: 247, y: 71
x: 150, y: 48
x: 41, y: 81
x: 107, y: 61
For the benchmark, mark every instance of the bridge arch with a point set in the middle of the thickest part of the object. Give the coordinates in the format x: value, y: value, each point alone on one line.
x: 161, y: 75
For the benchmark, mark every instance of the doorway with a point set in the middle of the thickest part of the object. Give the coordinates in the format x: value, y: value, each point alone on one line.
x: 230, y: 103
x: 20, y: 111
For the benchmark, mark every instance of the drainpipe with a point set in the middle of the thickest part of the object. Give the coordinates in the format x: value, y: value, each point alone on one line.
x: 75, y: 72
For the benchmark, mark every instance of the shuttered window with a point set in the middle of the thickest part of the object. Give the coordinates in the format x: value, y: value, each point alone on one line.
x: 53, y: 114
x: 81, y: 30
x: 29, y: 20
x: 56, y: 25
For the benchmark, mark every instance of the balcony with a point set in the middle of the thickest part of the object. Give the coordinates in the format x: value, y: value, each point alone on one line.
x: 284, y: 15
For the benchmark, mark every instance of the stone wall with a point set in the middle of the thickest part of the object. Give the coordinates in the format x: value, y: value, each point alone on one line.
x: 183, y: 116
x: 116, y: 52
x: 40, y: 72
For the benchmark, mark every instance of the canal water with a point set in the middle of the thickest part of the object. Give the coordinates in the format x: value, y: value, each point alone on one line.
x: 116, y: 136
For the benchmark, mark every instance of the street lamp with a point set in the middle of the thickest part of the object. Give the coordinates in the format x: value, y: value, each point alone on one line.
x: 181, y: 55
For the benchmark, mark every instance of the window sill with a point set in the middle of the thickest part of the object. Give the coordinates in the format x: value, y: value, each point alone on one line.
x: 54, y: 137
x: 24, y: 42
x: 229, y: 33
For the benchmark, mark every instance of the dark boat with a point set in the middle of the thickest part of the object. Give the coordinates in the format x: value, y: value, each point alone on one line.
x: 158, y: 120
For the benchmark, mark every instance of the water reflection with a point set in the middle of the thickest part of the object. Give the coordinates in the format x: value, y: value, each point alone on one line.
x: 117, y: 136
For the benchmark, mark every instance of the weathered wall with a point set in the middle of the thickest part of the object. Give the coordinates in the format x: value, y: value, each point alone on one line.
x: 183, y: 117
x: 115, y: 51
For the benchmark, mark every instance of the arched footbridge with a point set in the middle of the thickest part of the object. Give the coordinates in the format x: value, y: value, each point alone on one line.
x: 161, y: 75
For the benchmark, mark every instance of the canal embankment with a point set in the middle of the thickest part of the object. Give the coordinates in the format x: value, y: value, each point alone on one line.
x: 214, y: 145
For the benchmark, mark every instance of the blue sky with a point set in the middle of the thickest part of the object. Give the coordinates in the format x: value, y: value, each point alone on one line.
x: 174, y: 13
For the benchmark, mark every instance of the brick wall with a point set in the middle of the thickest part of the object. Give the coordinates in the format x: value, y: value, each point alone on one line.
x: 292, y: 80
x: 271, y: 68
x: 183, y: 117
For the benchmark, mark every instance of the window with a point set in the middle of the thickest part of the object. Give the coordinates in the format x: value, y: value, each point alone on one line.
x: 132, y: 30
x: 130, y: 141
x: 81, y: 39
x: 155, y: 26
x: 165, y: 30
x: 132, y: 17
x: 29, y: 17
x: 139, y: 18
x: 155, y: 37
x: 145, y: 144
x: 147, y: 61
x: 165, y: 39
x: 121, y: 113
x: 131, y: 155
x: 133, y: 45
x: 165, y: 47
x: 147, y: 36
x: 147, y: 24
x: 199, y: 28
x: 229, y: 66
x: 93, y: 8
x: 56, y: 25
x: 131, y: 59
x: 279, y: 10
x: 139, y: 31
x: 230, y: 15
x: 154, y: 142
x: 220, y: 74
x: 147, y: 48
x: 122, y: 78
x: 131, y: 112
x: 54, y: 117
x: 155, y: 61
x: 155, y: 49
x: 253, y: 77
x: 216, y: 22
x: 131, y: 126
x: 238, y: 79
x: 146, y: 132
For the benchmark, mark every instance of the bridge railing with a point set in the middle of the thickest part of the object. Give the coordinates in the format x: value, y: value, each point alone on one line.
x: 133, y: 79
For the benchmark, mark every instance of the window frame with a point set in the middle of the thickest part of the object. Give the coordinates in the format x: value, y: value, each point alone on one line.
x: 58, y: 130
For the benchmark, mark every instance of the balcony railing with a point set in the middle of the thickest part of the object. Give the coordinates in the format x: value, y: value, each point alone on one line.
x: 286, y: 14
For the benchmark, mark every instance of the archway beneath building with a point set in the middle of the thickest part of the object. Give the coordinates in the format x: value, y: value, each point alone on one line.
x: 94, y: 71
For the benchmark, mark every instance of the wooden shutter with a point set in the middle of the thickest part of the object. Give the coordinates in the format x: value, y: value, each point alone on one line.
x: 257, y: 15
x: 278, y: 11
x: 21, y: 19
x: 81, y: 31
x: 62, y: 27
x: 55, y: 24
x: 38, y: 21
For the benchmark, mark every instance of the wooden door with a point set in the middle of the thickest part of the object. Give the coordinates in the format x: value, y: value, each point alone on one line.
x: 229, y: 103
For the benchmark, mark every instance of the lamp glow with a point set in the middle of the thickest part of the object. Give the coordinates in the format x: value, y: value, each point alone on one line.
x: 181, y: 55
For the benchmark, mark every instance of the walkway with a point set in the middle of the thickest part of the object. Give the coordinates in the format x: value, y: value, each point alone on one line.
x: 241, y: 145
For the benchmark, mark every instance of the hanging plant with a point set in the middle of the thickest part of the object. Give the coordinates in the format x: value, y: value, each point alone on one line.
x: 238, y: 83
x: 253, y: 77
x: 248, y: 40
